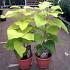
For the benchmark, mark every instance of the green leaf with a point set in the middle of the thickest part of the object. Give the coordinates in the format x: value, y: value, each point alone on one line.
x: 53, y: 22
x: 44, y: 5
x: 15, y: 7
x: 23, y: 25
x: 14, y: 34
x: 29, y: 28
x: 57, y: 22
x: 50, y: 45
x: 27, y: 12
x: 38, y: 38
x: 12, y: 14
x: 52, y: 37
x: 55, y: 13
x: 2, y: 16
x: 13, y: 26
x: 39, y: 20
x: 39, y: 49
x: 19, y: 48
x: 52, y: 30
x: 10, y: 45
x: 62, y: 25
x: 54, y: 8
x: 28, y: 36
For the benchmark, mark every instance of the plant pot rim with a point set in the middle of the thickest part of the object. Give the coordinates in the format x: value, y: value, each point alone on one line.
x: 25, y: 59
x: 43, y: 58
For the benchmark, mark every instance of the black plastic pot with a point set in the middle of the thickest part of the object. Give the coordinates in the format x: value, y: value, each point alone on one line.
x: 2, y: 19
x: 1, y: 12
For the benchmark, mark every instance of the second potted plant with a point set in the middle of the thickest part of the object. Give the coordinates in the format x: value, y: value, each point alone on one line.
x: 19, y: 38
x: 48, y: 25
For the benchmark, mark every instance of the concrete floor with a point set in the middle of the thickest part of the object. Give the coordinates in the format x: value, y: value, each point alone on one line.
x: 60, y: 60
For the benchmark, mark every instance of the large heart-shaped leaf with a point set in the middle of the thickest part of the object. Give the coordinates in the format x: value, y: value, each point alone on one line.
x: 50, y: 45
x: 39, y: 49
x: 12, y: 14
x: 38, y: 38
x: 39, y: 20
x: 23, y: 25
x: 28, y: 36
x: 53, y: 22
x: 10, y: 45
x: 52, y: 37
x: 28, y: 29
x: 14, y: 34
x: 53, y: 30
x: 19, y: 48
x: 57, y: 22
x: 62, y: 25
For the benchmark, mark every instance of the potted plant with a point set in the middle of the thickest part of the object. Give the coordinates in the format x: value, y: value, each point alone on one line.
x: 35, y: 24
x: 48, y: 24
x: 20, y: 36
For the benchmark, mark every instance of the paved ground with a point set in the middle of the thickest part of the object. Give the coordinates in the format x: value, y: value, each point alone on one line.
x: 60, y: 61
